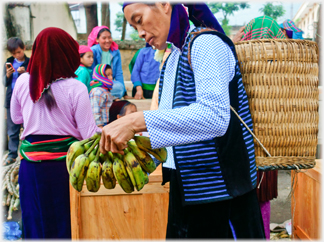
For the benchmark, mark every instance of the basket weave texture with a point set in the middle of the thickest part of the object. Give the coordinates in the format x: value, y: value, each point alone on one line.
x: 281, y: 81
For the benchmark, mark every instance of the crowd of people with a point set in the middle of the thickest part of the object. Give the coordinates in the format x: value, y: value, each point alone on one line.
x: 66, y: 92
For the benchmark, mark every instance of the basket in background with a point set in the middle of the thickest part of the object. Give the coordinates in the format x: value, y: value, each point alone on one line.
x: 280, y: 77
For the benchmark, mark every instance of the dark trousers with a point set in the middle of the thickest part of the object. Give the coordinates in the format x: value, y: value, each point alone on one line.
x: 238, y: 218
x: 146, y: 93
x: 44, y: 197
x: 13, y: 131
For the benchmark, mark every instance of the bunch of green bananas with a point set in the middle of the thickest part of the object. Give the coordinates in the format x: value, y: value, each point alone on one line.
x: 85, y: 162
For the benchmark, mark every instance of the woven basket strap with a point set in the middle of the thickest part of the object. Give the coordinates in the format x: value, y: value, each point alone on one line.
x: 266, y: 151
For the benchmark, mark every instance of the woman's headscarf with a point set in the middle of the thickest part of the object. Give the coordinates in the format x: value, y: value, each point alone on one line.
x: 199, y: 14
x: 54, y: 56
x: 289, y: 26
x: 263, y: 27
x: 92, y: 38
x: 99, y: 77
x: 116, y: 108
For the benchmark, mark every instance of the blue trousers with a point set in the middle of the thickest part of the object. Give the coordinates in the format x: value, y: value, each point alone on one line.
x: 13, y: 133
x: 117, y: 90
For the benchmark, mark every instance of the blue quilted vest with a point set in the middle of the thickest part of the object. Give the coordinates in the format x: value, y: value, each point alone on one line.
x: 224, y: 167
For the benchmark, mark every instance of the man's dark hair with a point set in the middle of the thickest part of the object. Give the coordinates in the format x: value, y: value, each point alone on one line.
x: 14, y: 43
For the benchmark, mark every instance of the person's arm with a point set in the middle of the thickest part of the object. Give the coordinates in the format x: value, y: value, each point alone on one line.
x: 118, y: 70
x: 83, y: 113
x: 7, y: 75
x: 136, y: 76
x: 213, y: 65
x: 238, y: 36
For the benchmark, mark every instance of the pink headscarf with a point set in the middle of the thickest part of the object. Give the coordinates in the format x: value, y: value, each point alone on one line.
x: 92, y: 38
x: 84, y: 49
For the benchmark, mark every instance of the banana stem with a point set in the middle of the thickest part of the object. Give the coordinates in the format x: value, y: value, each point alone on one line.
x: 126, y: 150
x: 92, y: 146
x: 95, y: 136
x: 97, y: 154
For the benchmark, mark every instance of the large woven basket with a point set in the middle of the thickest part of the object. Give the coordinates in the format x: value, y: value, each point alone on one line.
x: 281, y: 81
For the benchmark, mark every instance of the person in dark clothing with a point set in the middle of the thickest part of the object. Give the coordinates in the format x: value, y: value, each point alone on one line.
x: 14, y: 67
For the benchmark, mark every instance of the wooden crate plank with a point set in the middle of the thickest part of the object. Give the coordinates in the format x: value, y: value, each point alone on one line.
x: 112, y: 217
x: 148, y: 188
x: 155, y: 215
x: 306, y: 203
x: 300, y: 234
x: 76, y: 226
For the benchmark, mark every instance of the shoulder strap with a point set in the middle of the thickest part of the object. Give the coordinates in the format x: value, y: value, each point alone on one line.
x: 194, y: 35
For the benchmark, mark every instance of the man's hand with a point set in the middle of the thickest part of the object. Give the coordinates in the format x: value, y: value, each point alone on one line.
x: 139, y: 93
x: 10, y: 71
x: 21, y: 69
x: 238, y: 35
x: 127, y: 97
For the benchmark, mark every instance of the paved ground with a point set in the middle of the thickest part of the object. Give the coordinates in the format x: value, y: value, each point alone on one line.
x: 281, y: 206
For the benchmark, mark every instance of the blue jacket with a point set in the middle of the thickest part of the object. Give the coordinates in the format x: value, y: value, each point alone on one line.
x: 115, y: 63
x: 146, y: 69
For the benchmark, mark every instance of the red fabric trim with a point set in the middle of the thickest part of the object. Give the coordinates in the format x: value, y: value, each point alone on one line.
x: 48, y: 141
x: 44, y: 155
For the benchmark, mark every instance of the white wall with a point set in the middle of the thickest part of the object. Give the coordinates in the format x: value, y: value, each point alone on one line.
x: 52, y: 15
x: 21, y: 16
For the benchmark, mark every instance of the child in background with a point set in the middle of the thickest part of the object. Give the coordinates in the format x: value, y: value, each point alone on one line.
x: 84, y: 71
x: 121, y: 108
x: 18, y: 65
x: 100, y: 96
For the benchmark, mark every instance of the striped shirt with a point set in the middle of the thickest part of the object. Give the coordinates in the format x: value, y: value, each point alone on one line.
x: 100, y: 100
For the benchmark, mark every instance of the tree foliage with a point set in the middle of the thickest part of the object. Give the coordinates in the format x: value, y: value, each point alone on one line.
x: 227, y: 9
x: 273, y: 11
x: 119, y: 21
x: 134, y: 35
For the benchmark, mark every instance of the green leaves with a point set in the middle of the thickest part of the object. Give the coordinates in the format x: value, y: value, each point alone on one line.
x: 227, y: 9
x: 273, y: 11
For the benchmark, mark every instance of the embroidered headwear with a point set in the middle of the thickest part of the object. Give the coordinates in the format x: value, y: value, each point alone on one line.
x: 263, y: 27
x: 54, y: 56
x: 292, y: 30
x: 199, y: 15
x: 92, y: 38
x: 100, y: 78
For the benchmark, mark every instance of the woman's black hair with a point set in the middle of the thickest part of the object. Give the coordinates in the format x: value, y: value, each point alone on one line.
x: 49, y: 99
x: 101, y: 31
x: 14, y: 43
x: 82, y: 54
x: 108, y: 67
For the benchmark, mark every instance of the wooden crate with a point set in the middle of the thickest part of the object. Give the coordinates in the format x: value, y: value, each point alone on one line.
x: 307, y: 204
x: 114, y: 214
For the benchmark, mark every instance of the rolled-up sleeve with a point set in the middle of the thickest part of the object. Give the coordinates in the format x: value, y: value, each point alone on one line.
x: 213, y: 66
